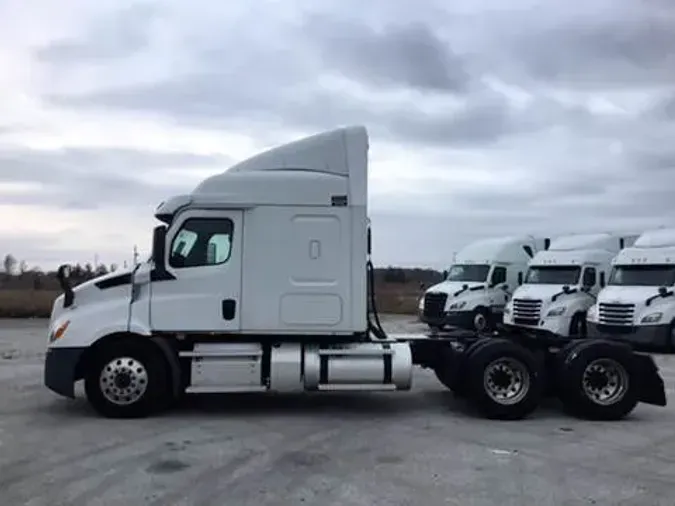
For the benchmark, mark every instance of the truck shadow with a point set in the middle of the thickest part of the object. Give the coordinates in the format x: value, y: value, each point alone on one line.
x: 425, y: 404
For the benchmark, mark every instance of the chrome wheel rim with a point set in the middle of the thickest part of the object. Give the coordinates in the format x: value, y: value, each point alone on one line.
x: 605, y: 381
x: 123, y: 381
x: 506, y: 380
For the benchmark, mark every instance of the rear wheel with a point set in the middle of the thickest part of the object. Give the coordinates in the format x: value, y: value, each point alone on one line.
x: 127, y: 379
x: 504, y: 380
x: 598, y: 380
x: 459, y: 381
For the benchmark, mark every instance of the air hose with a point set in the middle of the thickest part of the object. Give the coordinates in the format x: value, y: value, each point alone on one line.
x: 375, y: 328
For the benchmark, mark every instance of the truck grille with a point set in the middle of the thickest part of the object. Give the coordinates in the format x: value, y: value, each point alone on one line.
x: 526, y: 311
x: 434, y: 304
x: 616, y: 314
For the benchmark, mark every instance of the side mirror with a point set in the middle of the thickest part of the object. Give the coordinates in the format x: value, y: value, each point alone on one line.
x: 63, y: 276
x: 520, y: 278
x: 602, y: 279
x: 159, y: 247
x: 445, y: 275
x: 663, y: 291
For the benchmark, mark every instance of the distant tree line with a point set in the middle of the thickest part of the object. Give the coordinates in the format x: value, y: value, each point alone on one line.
x: 400, y: 275
x: 16, y: 274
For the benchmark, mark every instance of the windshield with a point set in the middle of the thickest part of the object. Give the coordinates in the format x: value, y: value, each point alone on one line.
x: 468, y: 273
x: 553, y: 275
x: 642, y: 275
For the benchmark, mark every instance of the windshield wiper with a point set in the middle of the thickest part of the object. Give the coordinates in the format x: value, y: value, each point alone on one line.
x: 663, y: 292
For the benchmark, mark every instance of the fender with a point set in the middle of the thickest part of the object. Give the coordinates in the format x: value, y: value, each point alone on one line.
x: 171, y: 359
x: 121, y: 327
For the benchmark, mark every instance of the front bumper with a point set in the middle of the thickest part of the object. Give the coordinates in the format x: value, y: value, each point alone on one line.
x: 459, y: 319
x: 645, y: 335
x: 60, y: 372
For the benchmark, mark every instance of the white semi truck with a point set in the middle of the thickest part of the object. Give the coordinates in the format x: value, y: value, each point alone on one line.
x: 637, y: 305
x: 260, y: 280
x: 562, y: 282
x: 479, y: 283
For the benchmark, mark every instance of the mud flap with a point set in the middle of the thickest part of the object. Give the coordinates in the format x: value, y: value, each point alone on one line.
x: 652, y: 389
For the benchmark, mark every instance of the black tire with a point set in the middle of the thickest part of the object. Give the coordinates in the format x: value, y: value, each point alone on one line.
x: 577, y: 328
x: 460, y: 382
x: 447, y: 368
x: 484, y: 314
x: 150, y: 376
x: 586, y: 368
x: 559, y: 360
x: 502, y: 360
x: 670, y: 345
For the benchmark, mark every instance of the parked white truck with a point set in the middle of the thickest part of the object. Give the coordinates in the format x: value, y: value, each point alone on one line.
x: 259, y: 281
x: 637, y: 305
x: 479, y: 283
x: 562, y: 282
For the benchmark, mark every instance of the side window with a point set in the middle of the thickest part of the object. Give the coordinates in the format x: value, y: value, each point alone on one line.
x: 498, y: 275
x: 589, y: 277
x: 202, y: 241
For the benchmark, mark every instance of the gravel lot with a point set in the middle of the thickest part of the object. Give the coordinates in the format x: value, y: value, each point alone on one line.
x: 420, y: 448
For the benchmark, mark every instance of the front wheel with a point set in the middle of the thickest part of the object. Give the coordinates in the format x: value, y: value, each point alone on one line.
x: 578, y: 326
x: 127, y: 380
x: 504, y: 380
x: 481, y: 320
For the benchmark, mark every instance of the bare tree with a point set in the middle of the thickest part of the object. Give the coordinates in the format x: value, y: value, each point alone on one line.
x: 9, y: 263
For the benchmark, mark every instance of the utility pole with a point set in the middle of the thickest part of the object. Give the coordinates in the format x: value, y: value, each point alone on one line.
x: 135, y: 255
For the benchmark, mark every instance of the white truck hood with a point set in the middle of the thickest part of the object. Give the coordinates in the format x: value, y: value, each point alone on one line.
x: 627, y: 294
x: 451, y: 287
x: 539, y: 292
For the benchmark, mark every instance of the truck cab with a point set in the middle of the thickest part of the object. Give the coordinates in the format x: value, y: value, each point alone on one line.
x: 562, y: 282
x: 637, y: 305
x: 478, y: 285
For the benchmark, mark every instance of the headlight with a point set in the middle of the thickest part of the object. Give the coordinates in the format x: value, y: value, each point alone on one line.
x: 652, y: 318
x: 557, y: 311
x: 457, y: 305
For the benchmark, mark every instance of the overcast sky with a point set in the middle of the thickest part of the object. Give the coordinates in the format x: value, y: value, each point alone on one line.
x: 485, y: 117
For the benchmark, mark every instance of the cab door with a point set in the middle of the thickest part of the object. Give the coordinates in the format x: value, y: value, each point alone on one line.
x: 202, y: 291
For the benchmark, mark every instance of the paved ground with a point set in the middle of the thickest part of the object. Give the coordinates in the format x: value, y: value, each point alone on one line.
x: 416, y: 448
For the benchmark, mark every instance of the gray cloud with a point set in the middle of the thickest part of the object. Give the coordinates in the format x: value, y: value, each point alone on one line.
x: 541, y: 96
x: 408, y: 55
x: 600, y: 44
x: 116, y: 35
x: 90, y: 179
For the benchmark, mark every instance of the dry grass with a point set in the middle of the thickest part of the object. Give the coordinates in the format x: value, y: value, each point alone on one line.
x: 26, y: 303
x: 397, y: 298
x: 390, y: 298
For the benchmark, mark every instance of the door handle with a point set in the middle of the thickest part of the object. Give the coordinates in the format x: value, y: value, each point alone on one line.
x: 229, y: 308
